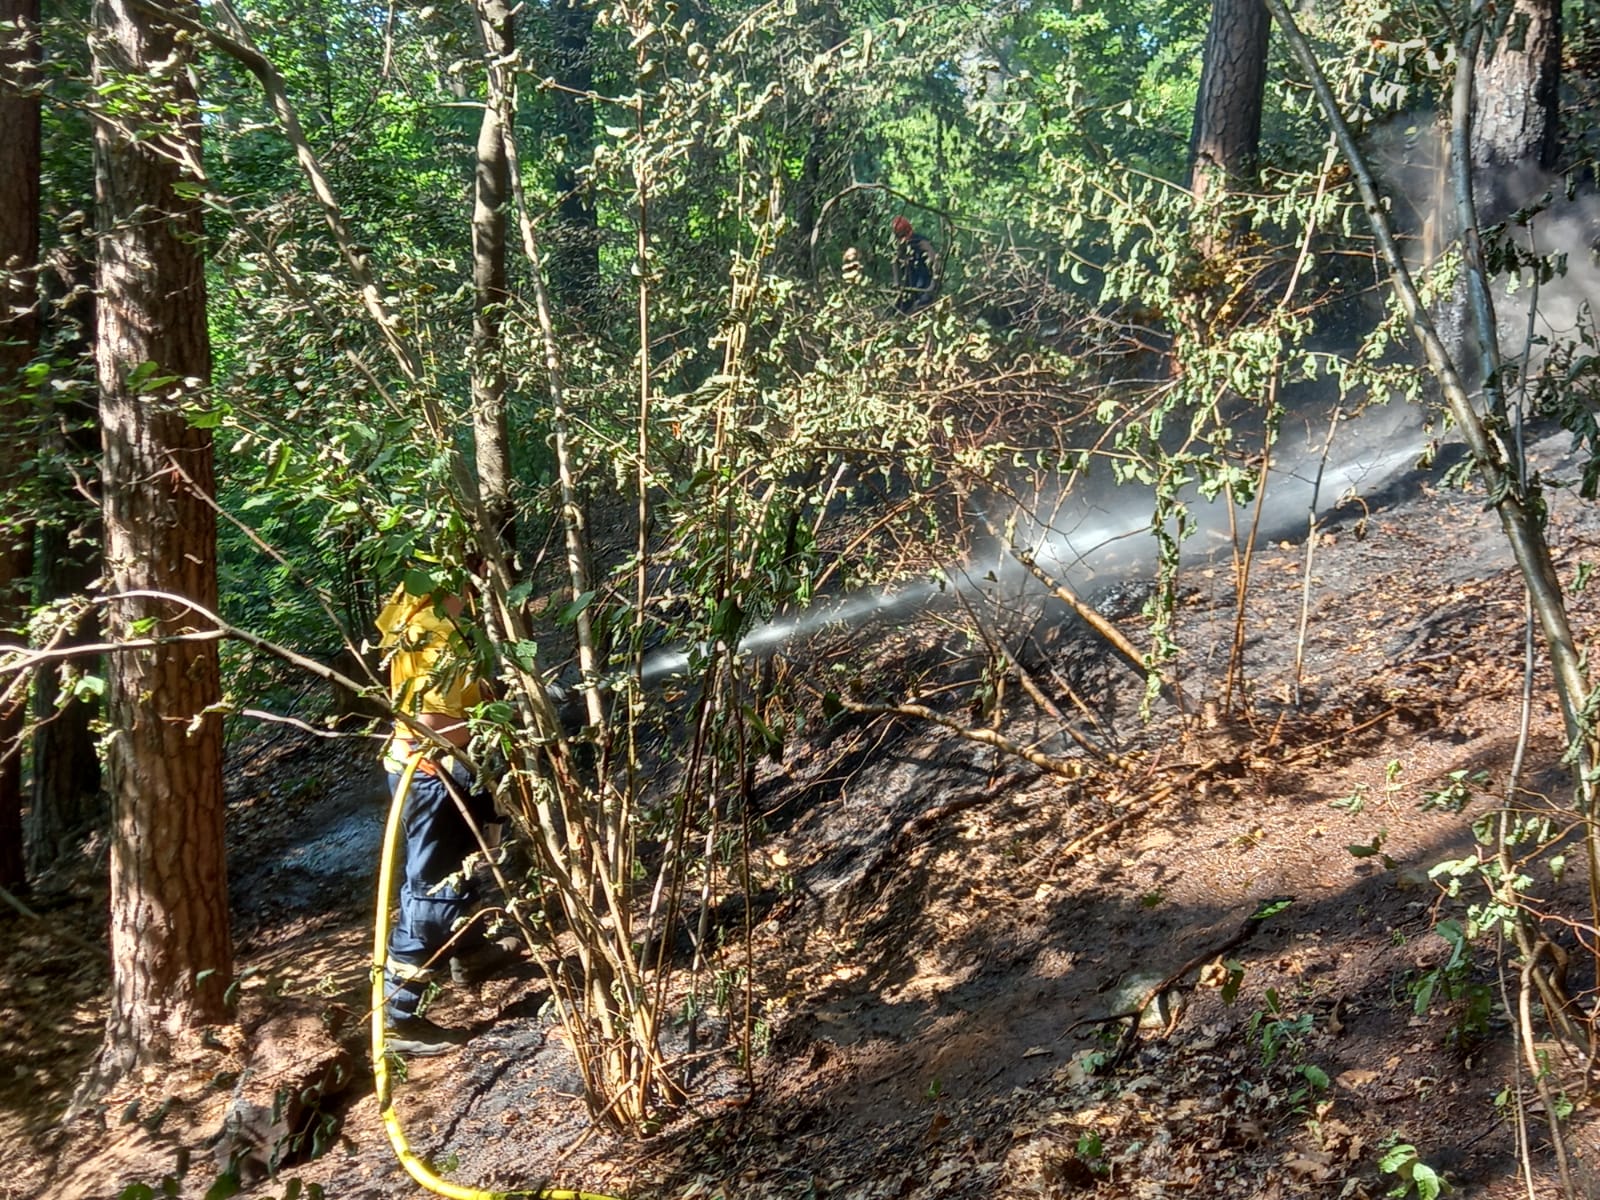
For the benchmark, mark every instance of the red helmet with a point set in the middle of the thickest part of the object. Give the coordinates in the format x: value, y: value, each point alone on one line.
x: 901, y: 227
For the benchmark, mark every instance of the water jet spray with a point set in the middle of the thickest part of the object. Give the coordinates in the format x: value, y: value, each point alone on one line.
x: 1095, y: 539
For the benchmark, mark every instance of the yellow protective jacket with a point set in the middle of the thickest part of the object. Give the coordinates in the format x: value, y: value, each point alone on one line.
x: 431, y: 669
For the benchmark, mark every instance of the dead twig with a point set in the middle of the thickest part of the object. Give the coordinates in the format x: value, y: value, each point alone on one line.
x: 1135, y: 1016
x: 998, y: 646
x: 1150, y: 802
x: 65, y: 935
x: 1062, y: 767
x: 1113, y: 636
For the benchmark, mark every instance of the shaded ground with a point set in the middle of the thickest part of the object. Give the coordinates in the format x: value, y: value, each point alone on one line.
x: 944, y: 933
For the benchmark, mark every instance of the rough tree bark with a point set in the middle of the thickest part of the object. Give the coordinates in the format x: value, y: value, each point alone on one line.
x: 491, y: 193
x: 1227, y: 113
x: 1516, y: 112
x: 19, y: 337
x: 170, y: 947
x: 66, y: 800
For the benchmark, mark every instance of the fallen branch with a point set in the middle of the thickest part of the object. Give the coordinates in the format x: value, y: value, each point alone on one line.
x: 1150, y: 802
x: 1112, y: 636
x: 1304, y: 753
x: 1064, y: 768
x: 1135, y: 1016
x: 997, y: 646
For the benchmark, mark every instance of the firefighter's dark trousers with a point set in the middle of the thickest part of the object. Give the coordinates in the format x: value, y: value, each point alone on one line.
x: 435, y: 893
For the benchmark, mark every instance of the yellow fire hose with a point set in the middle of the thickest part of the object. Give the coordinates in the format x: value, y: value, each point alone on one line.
x: 415, y: 1166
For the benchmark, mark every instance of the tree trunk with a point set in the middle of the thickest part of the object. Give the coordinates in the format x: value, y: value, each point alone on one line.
x: 19, y: 338
x: 490, y: 196
x: 819, y: 170
x: 1516, y: 109
x: 1519, y: 505
x: 1227, y: 111
x: 66, y: 765
x: 575, y: 246
x: 1514, y: 120
x: 170, y: 949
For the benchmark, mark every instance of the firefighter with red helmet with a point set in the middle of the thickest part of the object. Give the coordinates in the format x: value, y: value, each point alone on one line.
x: 915, y: 282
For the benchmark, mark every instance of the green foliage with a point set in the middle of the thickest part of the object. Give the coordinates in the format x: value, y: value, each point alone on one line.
x: 1455, y: 794
x: 1451, y: 981
x: 1091, y: 1151
x: 1232, y: 980
x: 1403, y: 1161
x: 776, y: 431
x: 1354, y: 803
x: 1373, y: 849
x: 1276, y: 1031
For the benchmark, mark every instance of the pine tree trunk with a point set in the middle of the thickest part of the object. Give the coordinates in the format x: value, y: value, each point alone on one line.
x: 19, y: 337
x: 1516, y: 113
x: 491, y: 195
x: 170, y: 947
x: 67, y: 801
x: 1227, y: 113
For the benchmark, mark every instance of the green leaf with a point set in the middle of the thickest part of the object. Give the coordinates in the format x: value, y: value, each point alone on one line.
x: 143, y: 378
x: 1315, y: 1075
x: 1396, y: 1157
x: 278, y: 458
x: 725, y: 622
x: 771, y: 739
x: 831, y: 705
x: 419, y: 582
x: 571, y: 610
x: 326, y: 1131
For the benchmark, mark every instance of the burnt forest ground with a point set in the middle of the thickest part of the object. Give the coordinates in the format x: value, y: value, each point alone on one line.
x: 939, y: 932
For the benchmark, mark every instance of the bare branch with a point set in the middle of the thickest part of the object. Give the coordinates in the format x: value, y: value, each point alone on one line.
x: 1065, y: 768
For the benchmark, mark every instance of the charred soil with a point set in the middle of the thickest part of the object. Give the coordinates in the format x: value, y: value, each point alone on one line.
x: 946, y: 944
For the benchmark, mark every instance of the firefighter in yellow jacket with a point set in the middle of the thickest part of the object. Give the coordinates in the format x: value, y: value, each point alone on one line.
x: 434, y: 680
